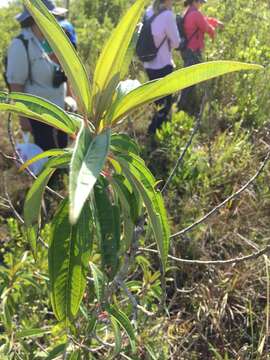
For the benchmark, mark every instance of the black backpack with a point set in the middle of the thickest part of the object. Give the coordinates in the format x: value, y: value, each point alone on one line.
x: 146, y: 49
x: 5, y: 61
x: 183, y: 38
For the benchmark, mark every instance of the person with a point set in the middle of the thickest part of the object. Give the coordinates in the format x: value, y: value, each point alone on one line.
x: 196, y: 25
x: 166, y: 38
x: 34, y: 69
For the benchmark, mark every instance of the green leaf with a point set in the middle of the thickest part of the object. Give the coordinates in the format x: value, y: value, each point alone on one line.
x: 69, y: 253
x: 129, y: 54
x: 99, y: 281
x: 123, y: 143
x: 55, y: 352
x: 47, y: 115
x: 117, y: 336
x: 44, y: 108
x: 128, y: 204
x: 32, y: 206
x: 87, y: 162
x: 64, y: 50
x: 7, y: 318
x: 174, y: 82
x: 124, y: 322
x: 43, y: 155
x: 59, y: 162
x: 75, y: 355
x: 141, y: 178
x: 29, y: 333
x: 151, y: 353
x: 108, y: 217
x: 108, y: 69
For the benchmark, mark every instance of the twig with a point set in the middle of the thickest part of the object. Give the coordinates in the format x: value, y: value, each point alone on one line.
x: 234, y: 195
x: 237, y: 260
x: 7, y: 157
x: 188, y: 144
x: 132, y: 299
x: 11, y: 206
x: 82, y: 346
x: 119, y: 278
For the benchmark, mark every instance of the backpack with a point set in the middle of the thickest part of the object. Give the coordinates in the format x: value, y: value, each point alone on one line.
x: 184, y: 41
x: 146, y: 49
x: 5, y: 61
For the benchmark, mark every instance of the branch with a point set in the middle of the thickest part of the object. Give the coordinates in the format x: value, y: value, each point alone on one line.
x: 119, y: 278
x: 7, y: 157
x: 188, y: 144
x: 234, y: 195
x: 10, y: 204
x: 237, y: 260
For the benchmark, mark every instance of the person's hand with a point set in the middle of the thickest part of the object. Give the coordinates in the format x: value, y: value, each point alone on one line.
x: 220, y: 25
x: 25, y: 125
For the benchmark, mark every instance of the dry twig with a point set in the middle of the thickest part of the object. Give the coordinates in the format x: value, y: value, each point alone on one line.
x: 231, y: 197
x: 188, y: 144
x: 237, y: 260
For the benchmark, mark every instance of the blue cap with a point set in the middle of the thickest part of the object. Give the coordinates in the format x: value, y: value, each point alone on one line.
x: 50, y: 4
x: 70, y: 31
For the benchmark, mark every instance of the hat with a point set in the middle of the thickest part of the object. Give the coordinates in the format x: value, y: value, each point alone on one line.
x: 70, y: 31
x: 50, y: 4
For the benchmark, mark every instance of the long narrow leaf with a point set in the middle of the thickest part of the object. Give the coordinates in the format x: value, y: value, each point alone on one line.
x: 69, y: 253
x: 108, y: 69
x: 30, y: 333
x: 22, y: 110
x: 99, y: 281
x: 124, y: 322
x: 32, y: 206
x: 64, y: 50
x: 108, y: 218
x: 174, y: 82
x: 127, y: 205
x: 87, y: 162
x: 143, y: 180
x: 43, y: 107
x: 43, y: 155
x: 123, y: 143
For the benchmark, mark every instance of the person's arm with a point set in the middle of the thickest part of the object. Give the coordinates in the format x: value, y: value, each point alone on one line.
x: 17, y: 73
x: 172, y: 31
x: 203, y: 25
x: 214, y: 22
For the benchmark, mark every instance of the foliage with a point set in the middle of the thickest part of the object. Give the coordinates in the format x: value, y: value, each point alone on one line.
x: 121, y: 184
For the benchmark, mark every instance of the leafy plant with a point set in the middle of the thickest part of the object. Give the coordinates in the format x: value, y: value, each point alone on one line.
x: 108, y: 181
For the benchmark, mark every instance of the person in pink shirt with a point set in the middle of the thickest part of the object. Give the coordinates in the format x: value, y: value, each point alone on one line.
x: 166, y: 38
x: 196, y: 25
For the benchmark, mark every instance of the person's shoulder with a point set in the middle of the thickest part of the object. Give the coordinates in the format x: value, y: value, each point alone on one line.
x: 167, y: 16
x: 168, y: 13
x: 16, y: 43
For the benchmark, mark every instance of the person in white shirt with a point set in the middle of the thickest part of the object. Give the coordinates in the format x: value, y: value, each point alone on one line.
x: 34, y: 69
x: 163, y: 27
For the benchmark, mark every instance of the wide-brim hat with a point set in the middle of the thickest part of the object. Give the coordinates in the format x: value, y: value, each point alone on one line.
x: 50, y: 4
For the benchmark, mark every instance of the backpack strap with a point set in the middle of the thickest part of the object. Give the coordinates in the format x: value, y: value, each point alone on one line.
x: 151, y: 19
x: 26, y: 43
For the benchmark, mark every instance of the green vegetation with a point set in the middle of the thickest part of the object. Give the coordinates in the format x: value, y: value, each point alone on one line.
x: 103, y: 271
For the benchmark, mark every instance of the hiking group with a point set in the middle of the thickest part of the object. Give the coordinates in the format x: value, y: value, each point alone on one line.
x: 32, y: 67
x: 162, y: 32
